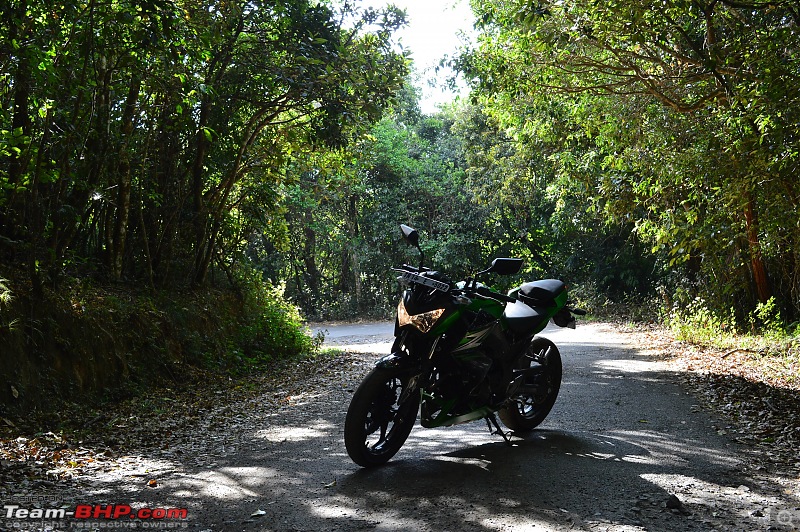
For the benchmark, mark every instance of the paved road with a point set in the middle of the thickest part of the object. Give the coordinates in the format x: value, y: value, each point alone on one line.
x: 368, y: 337
x: 625, y: 448
x: 355, y: 331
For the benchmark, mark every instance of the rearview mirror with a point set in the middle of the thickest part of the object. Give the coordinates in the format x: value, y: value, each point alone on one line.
x: 504, y: 266
x: 410, y: 234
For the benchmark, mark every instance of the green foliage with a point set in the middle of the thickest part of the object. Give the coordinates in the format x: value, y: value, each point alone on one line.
x: 698, y: 324
x: 766, y: 318
x: 6, y: 296
x: 474, y: 190
x: 271, y: 328
x: 674, y: 119
x: 5, y: 293
x: 154, y: 138
x: 147, y: 144
x: 343, y: 218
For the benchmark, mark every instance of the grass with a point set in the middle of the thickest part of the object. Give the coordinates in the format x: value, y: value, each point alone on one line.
x: 769, y: 352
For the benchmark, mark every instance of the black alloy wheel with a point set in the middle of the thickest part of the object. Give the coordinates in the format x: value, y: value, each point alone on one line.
x: 377, y: 423
x: 527, y: 411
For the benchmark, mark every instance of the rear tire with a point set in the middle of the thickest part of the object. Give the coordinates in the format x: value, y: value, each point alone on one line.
x: 526, y: 411
x: 377, y: 426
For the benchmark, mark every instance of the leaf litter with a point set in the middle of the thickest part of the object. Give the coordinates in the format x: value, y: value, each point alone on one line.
x: 754, y: 393
x: 193, y: 423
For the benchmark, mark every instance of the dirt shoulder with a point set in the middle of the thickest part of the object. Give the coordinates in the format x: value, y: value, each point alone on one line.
x: 755, y: 395
x: 638, y: 440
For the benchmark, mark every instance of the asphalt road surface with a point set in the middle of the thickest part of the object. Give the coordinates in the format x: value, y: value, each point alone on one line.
x: 625, y: 448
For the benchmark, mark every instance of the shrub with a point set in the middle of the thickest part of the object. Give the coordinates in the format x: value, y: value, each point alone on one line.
x: 272, y: 327
x: 766, y: 318
x: 697, y: 323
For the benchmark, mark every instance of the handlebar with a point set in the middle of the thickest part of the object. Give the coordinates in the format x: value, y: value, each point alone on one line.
x: 417, y: 275
x: 409, y: 268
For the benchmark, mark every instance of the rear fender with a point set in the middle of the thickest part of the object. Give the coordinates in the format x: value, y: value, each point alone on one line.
x: 564, y: 318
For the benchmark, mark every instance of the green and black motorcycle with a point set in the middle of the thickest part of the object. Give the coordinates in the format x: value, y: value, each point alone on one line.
x: 462, y: 352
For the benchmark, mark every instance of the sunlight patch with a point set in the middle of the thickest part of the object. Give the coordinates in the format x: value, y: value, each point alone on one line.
x: 483, y: 464
x: 333, y: 512
x: 377, y: 347
x: 282, y: 434
x: 638, y: 459
x: 302, y: 398
x: 219, y: 485
x: 368, y: 519
x: 514, y: 522
x: 663, y: 447
x: 632, y: 366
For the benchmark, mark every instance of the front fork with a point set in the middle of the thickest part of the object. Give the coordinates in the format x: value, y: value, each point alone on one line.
x: 402, y: 361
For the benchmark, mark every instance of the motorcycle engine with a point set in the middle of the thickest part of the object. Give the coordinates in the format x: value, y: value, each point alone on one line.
x: 463, y: 378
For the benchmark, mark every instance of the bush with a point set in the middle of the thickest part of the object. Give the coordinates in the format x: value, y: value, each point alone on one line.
x: 5, y: 301
x: 698, y: 324
x: 272, y: 327
x: 766, y: 318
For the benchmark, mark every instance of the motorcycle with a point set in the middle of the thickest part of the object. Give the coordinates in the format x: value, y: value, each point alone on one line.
x: 462, y: 352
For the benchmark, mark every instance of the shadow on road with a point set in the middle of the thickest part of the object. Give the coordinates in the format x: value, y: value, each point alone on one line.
x: 625, y: 448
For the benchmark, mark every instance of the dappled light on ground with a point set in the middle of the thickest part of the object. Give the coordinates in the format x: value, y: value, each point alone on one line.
x: 282, y: 433
x: 625, y: 449
x: 748, y: 504
x: 631, y: 366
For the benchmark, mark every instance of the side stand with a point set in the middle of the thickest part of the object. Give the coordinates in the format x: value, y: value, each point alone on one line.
x: 494, y: 428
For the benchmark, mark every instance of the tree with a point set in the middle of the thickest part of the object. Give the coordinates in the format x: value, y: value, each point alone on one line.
x: 724, y: 75
x: 140, y: 135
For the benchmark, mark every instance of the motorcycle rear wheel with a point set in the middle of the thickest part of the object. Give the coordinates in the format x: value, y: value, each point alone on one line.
x: 528, y: 411
x: 377, y: 424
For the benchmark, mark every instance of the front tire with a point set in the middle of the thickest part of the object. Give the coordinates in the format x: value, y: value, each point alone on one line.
x: 377, y: 424
x: 527, y: 411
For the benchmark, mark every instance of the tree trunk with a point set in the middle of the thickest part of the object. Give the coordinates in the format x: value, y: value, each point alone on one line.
x: 312, y: 275
x: 20, y: 122
x: 757, y: 266
x: 355, y: 263
x: 11, y: 224
x: 124, y: 182
x: 146, y: 249
x: 200, y: 213
x: 164, y: 219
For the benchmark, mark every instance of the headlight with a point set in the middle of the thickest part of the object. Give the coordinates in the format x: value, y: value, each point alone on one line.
x: 424, y: 322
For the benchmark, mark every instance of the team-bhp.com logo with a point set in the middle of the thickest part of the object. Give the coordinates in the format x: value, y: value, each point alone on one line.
x: 119, y: 513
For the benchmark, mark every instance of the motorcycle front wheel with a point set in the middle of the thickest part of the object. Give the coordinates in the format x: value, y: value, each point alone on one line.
x: 377, y: 423
x: 527, y: 411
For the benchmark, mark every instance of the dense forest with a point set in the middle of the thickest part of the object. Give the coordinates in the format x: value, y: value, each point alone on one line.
x: 646, y: 152
x: 677, y: 118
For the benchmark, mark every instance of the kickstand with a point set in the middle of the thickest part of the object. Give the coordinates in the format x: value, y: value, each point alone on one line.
x: 492, y: 420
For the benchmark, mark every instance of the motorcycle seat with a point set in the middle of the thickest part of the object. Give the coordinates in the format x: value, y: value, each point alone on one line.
x: 541, y: 293
x: 523, y: 319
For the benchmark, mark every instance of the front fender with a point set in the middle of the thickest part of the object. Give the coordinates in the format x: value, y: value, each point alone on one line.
x: 398, y: 361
